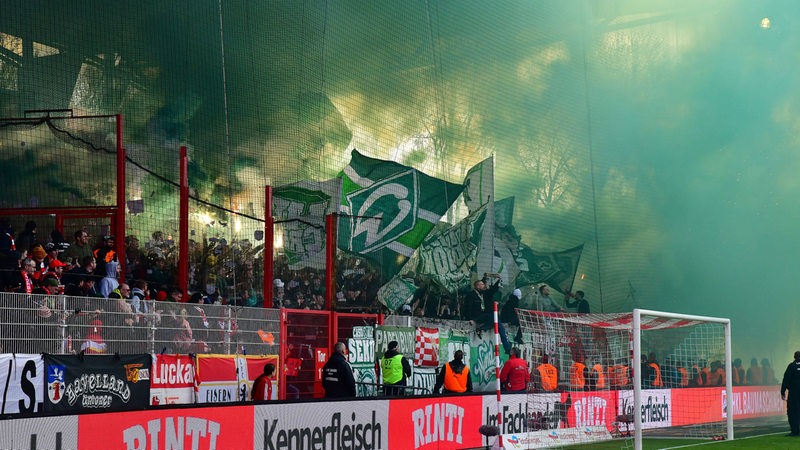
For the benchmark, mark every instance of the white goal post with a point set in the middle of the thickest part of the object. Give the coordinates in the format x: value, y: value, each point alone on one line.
x: 626, y: 375
x: 677, y: 320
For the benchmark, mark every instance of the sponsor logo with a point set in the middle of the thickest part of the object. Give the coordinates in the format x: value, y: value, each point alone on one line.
x: 753, y: 403
x: 134, y: 372
x: 590, y: 412
x: 352, y: 435
x: 654, y: 409
x: 173, y: 432
x: 514, y: 441
x: 514, y: 421
x: 55, y: 383
x: 437, y: 422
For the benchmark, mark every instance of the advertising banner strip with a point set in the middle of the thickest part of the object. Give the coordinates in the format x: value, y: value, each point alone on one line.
x: 206, y: 428
x: 439, y: 423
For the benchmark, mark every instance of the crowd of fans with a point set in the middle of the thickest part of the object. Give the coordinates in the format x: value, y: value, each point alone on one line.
x: 673, y: 373
x: 219, y: 271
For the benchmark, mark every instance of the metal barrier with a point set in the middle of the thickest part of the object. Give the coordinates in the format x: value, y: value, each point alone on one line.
x: 408, y: 391
x: 61, y: 324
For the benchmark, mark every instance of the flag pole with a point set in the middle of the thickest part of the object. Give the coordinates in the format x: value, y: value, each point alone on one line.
x: 497, y: 376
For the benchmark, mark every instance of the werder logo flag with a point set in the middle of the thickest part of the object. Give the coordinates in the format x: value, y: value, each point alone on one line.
x: 556, y: 269
x: 300, y: 209
x: 449, y: 256
x: 388, y: 209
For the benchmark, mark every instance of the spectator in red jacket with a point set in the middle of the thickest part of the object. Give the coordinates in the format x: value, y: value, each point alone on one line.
x: 514, y: 376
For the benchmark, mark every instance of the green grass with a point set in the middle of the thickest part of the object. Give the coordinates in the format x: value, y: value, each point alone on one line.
x: 772, y: 442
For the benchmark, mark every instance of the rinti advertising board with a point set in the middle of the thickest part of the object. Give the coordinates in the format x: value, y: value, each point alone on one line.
x: 184, y: 428
x: 436, y: 423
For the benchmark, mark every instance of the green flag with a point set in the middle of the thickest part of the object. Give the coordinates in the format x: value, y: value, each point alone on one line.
x: 506, y: 241
x: 448, y: 256
x: 396, y: 293
x: 479, y: 184
x: 504, y: 213
x: 300, y: 209
x: 479, y: 192
x: 388, y: 209
x: 556, y: 269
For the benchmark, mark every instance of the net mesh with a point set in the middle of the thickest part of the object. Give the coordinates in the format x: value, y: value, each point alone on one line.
x: 58, y: 162
x: 582, y: 369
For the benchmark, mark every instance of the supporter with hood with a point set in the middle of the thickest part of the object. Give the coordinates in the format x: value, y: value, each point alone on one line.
x: 109, y: 282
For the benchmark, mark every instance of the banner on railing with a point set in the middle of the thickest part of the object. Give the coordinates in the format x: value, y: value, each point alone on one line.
x: 229, y: 378
x: 79, y: 383
x: 172, y: 380
x: 22, y: 379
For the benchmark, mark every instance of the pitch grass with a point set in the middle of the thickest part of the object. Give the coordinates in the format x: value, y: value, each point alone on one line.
x: 771, y: 441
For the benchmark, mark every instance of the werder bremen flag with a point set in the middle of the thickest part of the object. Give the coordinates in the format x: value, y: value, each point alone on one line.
x: 300, y: 209
x: 448, y: 256
x: 388, y: 209
x: 479, y: 191
x: 556, y: 269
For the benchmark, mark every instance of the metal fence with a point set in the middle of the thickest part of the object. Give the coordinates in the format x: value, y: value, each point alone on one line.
x: 61, y: 324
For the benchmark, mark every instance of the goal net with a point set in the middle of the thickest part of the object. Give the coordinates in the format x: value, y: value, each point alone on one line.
x: 585, y: 385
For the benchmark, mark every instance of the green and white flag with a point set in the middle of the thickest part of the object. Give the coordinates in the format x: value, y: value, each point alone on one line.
x: 396, y: 293
x: 557, y: 269
x: 506, y: 241
x: 388, y: 209
x: 448, y: 256
x: 299, y: 210
x: 478, y: 192
x: 479, y: 184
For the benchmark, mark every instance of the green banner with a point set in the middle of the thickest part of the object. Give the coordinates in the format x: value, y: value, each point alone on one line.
x: 299, y: 210
x: 448, y: 256
x: 396, y: 293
